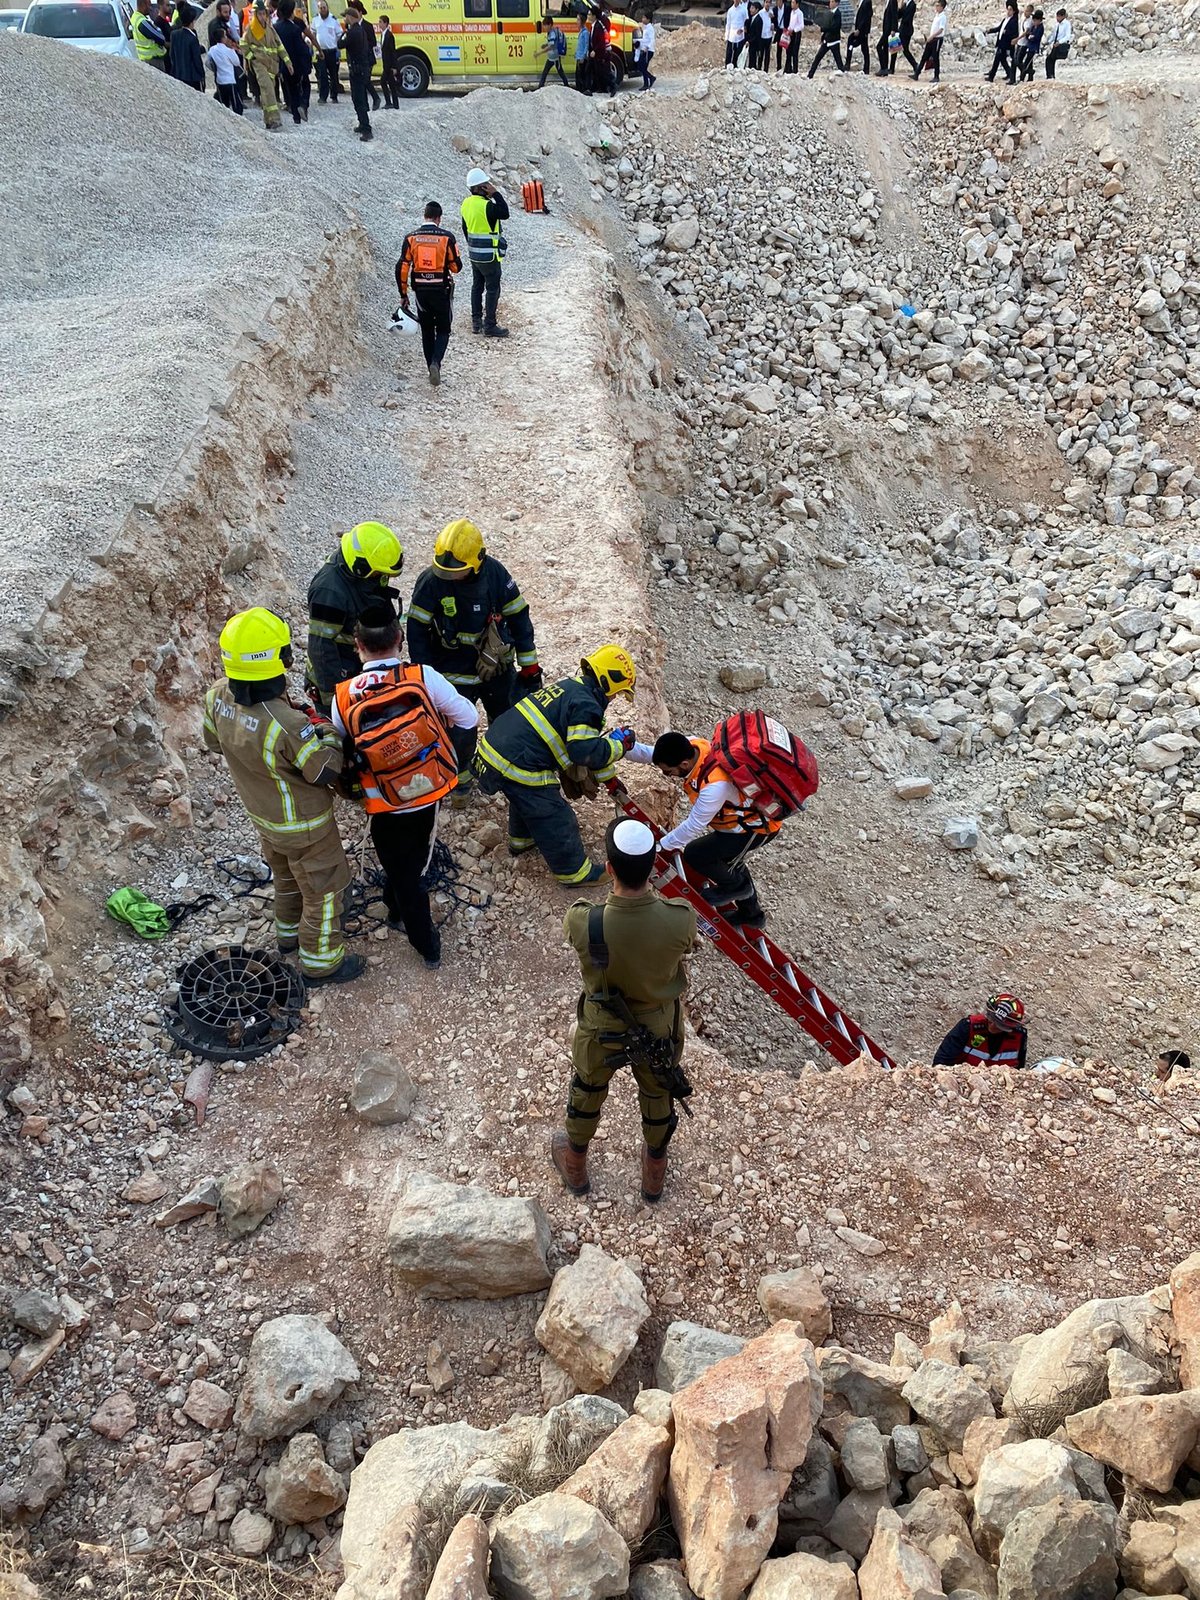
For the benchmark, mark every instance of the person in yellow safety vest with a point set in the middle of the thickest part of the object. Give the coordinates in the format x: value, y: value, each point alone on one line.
x: 265, y: 59
x: 484, y: 209
x: 284, y: 764
x: 148, y: 38
x: 719, y: 831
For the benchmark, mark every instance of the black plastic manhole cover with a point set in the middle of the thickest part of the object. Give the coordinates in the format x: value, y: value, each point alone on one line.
x: 234, y: 1004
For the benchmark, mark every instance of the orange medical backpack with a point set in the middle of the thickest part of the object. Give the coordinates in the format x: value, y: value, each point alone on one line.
x: 403, y: 752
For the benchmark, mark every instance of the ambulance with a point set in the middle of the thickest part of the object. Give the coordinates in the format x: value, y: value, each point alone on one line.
x: 465, y: 43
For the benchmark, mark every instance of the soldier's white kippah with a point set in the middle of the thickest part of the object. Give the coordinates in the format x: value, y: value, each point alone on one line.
x: 633, y: 838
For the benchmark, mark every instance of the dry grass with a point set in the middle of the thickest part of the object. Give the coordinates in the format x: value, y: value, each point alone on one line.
x: 108, y: 1572
x: 1047, y: 1416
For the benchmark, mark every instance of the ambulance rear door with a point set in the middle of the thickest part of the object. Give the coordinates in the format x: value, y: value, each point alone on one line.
x: 479, y: 38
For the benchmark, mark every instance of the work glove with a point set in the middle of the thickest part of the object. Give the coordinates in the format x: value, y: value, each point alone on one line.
x: 531, y: 678
x: 626, y: 736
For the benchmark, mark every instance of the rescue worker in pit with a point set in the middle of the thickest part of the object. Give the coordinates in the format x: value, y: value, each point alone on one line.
x: 408, y: 730
x: 993, y: 1037
x: 469, y: 621
x: 647, y: 939
x: 284, y: 763
x: 353, y: 580
x: 540, y: 740
x: 719, y: 831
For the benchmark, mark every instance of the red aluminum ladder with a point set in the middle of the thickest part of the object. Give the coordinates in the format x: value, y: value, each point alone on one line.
x: 775, y: 972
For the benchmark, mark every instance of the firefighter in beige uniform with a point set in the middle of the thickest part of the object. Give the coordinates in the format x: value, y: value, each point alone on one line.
x: 284, y: 766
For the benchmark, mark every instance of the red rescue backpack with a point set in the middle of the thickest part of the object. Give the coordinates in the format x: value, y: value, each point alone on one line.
x: 533, y: 195
x: 769, y: 765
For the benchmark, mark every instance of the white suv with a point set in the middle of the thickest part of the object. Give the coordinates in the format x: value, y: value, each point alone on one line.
x: 101, y: 25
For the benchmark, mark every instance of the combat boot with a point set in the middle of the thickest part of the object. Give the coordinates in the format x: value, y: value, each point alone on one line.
x: 570, y: 1163
x: 654, y: 1174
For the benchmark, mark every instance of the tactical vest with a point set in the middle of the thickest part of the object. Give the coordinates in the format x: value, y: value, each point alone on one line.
x: 981, y: 1051
x: 732, y: 818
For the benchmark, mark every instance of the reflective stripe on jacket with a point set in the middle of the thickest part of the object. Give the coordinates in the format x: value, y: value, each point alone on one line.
x: 147, y: 46
x: 448, y: 618
x: 984, y: 1049
x: 275, y: 756
x: 731, y: 818
x: 483, y: 239
x: 545, y: 733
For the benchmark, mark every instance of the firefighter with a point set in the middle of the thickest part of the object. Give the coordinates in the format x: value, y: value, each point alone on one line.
x: 557, y: 733
x: 266, y: 59
x: 719, y: 831
x: 468, y: 619
x: 284, y: 764
x: 428, y: 261
x: 993, y: 1037
x: 353, y: 580
x: 631, y: 951
x: 409, y: 730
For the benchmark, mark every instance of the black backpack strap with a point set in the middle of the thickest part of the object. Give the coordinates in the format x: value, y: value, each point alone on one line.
x: 597, y: 948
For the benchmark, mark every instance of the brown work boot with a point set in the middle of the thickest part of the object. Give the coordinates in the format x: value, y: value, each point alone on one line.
x: 654, y: 1175
x: 570, y: 1163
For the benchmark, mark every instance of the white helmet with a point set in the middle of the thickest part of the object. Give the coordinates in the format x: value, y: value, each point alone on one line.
x: 404, y: 321
x: 477, y: 176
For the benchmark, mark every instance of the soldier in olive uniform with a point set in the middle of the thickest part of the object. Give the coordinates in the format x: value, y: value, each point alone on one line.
x: 645, y: 940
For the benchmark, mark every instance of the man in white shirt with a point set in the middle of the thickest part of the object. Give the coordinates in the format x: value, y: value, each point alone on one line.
x: 645, y: 53
x: 404, y: 825
x: 329, y: 35
x: 735, y: 31
x: 1058, y: 46
x: 932, y: 56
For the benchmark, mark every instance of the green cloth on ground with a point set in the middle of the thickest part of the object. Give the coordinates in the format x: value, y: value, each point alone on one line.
x: 147, y: 919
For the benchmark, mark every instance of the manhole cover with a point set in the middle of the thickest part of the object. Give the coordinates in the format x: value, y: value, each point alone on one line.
x: 234, y: 1004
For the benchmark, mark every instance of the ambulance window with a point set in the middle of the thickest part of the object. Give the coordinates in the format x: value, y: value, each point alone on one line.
x: 512, y: 8
x: 477, y: 8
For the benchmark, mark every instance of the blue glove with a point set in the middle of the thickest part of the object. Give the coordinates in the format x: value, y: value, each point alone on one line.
x: 626, y: 736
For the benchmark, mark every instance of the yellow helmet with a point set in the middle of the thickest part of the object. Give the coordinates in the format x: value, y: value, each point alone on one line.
x: 254, y: 644
x: 613, y: 669
x: 458, y: 549
x: 376, y: 546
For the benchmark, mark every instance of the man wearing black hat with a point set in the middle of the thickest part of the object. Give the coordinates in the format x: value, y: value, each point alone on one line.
x: 631, y: 952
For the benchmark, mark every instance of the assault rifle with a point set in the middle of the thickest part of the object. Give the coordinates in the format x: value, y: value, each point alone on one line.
x: 639, y: 1047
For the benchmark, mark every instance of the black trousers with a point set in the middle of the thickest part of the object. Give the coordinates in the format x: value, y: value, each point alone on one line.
x: 328, y: 86
x: 554, y: 62
x: 390, y: 84
x: 1003, y: 58
x: 882, y: 53
x: 403, y: 842
x: 721, y: 857
x: 854, y: 44
x: 1059, y: 53
x: 829, y: 47
x: 435, y: 313
x: 485, y: 293
x: 1026, y: 62
x: 792, y: 63
x: 358, y: 94
x: 583, y: 75
x: 227, y: 94
x: 297, y: 91
x: 931, y: 56
x: 733, y: 49
x: 906, y: 52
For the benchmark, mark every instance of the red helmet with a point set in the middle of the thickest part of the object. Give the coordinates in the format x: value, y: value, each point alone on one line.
x: 1005, y: 1010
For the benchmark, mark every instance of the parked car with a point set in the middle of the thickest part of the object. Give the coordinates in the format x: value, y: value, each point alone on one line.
x: 11, y: 19
x: 101, y: 25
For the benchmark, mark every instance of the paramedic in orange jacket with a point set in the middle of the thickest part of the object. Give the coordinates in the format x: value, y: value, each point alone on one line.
x: 403, y: 830
x: 429, y: 259
x: 719, y: 831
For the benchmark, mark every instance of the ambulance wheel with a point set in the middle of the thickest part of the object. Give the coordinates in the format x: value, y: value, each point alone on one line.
x: 618, y: 66
x: 412, y: 75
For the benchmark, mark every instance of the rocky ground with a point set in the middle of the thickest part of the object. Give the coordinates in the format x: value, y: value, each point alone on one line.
x: 900, y: 448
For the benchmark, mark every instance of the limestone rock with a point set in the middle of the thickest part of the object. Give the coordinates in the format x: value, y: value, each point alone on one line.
x: 655, y: 1406
x: 114, y: 1417
x: 797, y: 1296
x: 301, y: 1486
x: 382, y: 1092
x: 392, y: 1565
x: 250, y: 1533
x: 145, y: 1189
x: 803, y: 1577
x: 1185, y: 1313
x: 37, y: 1485
x: 1148, y: 1559
x: 1147, y: 1437
x: 448, y: 1240
x: 592, y: 1317
x: 912, y: 788
x: 624, y: 1477
x: 864, y: 1455
x: 960, y: 833
x: 462, y: 1569
x: 938, y: 1528
x: 742, y: 676
x: 690, y: 1349
x: 558, y: 1548
x: 295, y: 1371
x: 1019, y: 1477
x: 1128, y: 1375
x: 1062, y: 1356
x: 947, y: 1398
x: 682, y: 234
x: 1060, y: 1549
x: 741, y: 1430
x: 249, y: 1194
x: 209, y: 1405
x: 986, y: 1434
x: 852, y: 1526
x: 868, y: 1387
x: 761, y: 399
x: 37, y: 1311
x: 894, y: 1568
x: 659, y: 1580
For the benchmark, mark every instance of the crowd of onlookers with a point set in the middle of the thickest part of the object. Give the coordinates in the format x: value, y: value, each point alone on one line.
x: 756, y: 30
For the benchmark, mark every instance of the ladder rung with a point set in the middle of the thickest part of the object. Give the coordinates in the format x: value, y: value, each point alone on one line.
x: 790, y: 975
x: 765, y: 953
x: 840, y: 1025
x: 864, y: 1047
x: 814, y: 1000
